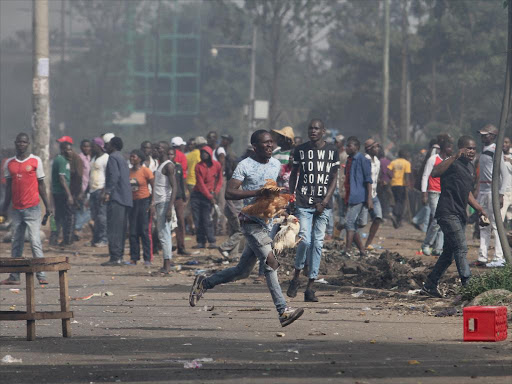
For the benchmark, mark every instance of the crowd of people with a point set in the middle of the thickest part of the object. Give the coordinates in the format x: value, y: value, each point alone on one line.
x: 199, y: 187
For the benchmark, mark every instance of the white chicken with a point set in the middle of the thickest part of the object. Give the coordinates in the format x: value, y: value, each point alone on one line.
x: 285, y: 238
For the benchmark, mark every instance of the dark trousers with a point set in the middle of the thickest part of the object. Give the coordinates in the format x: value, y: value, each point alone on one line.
x: 202, y: 212
x: 64, y: 218
x: 99, y: 216
x: 179, y: 207
x: 385, y: 197
x: 117, y: 217
x: 400, y: 198
x: 454, y: 248
x: 138, y: 217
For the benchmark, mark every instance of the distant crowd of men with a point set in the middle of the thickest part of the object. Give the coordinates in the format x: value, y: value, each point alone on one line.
x: 200, y: 186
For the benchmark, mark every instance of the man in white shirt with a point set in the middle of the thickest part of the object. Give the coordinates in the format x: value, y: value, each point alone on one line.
x: 507, y: 197
x: 96, y: 186
x: 372, y: 150
x: 488, y: 136
x: 431, y: 190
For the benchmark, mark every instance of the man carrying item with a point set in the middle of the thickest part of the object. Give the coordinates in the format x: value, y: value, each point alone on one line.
x: 313, y: 180
x: 358, y: 193
x: 457, y: 176
x: 118, y: 197
x: 431, y: 190
x: 372, y: 149
x: 164, y: 196
x: 96, y: 187
x: 62, y: 197
x: 250, y: 174
x: 488, y: 136
x: 401, y: 170
x: 25, y: 184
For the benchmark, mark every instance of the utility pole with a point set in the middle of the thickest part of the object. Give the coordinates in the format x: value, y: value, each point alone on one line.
x: 404, y: 90
x: 252, y: 81
x: 385, y: 70
x: 41, y: 84
x: 62, y: 32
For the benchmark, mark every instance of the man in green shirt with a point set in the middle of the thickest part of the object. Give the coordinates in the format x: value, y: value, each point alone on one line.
x: 62, y: 198
x: 284, y: 140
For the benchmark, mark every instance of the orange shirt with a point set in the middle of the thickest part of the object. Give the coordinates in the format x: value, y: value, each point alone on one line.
x: 139, y: 181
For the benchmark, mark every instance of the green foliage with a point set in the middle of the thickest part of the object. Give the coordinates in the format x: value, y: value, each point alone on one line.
x: 497, y: 278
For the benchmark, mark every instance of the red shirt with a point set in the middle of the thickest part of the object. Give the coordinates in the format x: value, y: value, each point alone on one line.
x: 181, y: 159
x: 434, y: 183
x: 208, y: 179
x: 24, y: 176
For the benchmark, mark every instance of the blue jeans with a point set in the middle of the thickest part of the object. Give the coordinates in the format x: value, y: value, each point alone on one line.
x: 312, y: 233
x: 164, y: 229
x: 434, y: 237
x: 353, y: 216
x: 99, y: 216
x: 82, y: 215
x: 455, y: 247
x: 26, y: 219
x: 258, y: 245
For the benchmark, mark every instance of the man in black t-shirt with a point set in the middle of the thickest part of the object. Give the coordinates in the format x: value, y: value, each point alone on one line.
x: 457, y: 181
x: 313, y: 180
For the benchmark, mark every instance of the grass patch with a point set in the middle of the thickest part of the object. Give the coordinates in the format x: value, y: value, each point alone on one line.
x: 495, y: 300
x: 497, y: 278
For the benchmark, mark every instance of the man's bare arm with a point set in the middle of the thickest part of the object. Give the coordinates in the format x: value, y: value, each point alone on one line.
x: 233, y: 191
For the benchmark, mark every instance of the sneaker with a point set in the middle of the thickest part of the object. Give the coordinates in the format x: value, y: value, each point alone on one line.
x: 101, y: 244
x: 147, y: 263
x: 183, y: 251
x: 198, y: 246
x: 427, y: 251
x: 309, y: 296
x: 293, y: 288
x: 478, y: 263
x: 43, y: 281
x: 223, y: 253
x: 10, y: 281
x: 112, y: 263
x: 431, y: 291
x: 290, y: 315
x: 496, y: 264
x: 130, y: 262
x: 197, y: 290
x: 212, y: 246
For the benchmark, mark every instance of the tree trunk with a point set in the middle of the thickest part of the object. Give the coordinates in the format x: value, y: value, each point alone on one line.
x: 433, y: 105
x: 385, y: 70
x: 404, y: 125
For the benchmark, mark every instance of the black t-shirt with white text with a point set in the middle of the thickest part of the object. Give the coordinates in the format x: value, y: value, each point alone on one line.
x: 315, y: 166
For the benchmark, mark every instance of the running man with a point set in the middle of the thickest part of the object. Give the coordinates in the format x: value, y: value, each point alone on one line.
x: 251, y: 174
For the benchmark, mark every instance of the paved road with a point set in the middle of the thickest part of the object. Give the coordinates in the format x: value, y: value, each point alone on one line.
x: 149, y: 337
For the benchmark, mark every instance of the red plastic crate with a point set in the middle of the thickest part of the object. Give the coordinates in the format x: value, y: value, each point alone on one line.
x: 485, y: 323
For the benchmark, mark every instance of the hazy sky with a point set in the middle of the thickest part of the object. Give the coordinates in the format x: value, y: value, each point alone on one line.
x: 16, y: 15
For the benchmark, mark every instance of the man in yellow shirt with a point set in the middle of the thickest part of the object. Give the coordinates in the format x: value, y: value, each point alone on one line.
x: 401, y: 170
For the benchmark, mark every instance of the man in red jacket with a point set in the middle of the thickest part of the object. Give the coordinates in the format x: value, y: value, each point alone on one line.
x: 202, y: 200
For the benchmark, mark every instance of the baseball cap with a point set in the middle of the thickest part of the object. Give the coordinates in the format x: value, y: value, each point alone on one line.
x: 65, y: 139
x: 488, y: 129
x: 177, y: 141
x: 107, y: 137
x: 200, y: 140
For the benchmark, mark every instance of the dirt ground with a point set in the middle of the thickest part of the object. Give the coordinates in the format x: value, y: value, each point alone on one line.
x: 144, y: 331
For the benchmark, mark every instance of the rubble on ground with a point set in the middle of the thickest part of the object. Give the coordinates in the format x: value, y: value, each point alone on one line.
x: 382, y: 270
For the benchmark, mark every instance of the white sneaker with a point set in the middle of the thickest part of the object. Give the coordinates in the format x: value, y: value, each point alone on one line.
x: 496, y: 264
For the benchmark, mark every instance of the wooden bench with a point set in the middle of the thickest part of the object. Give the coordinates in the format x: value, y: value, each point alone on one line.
x: 29, y: 267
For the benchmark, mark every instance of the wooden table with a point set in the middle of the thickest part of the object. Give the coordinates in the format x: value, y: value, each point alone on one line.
x: 29, y: 267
